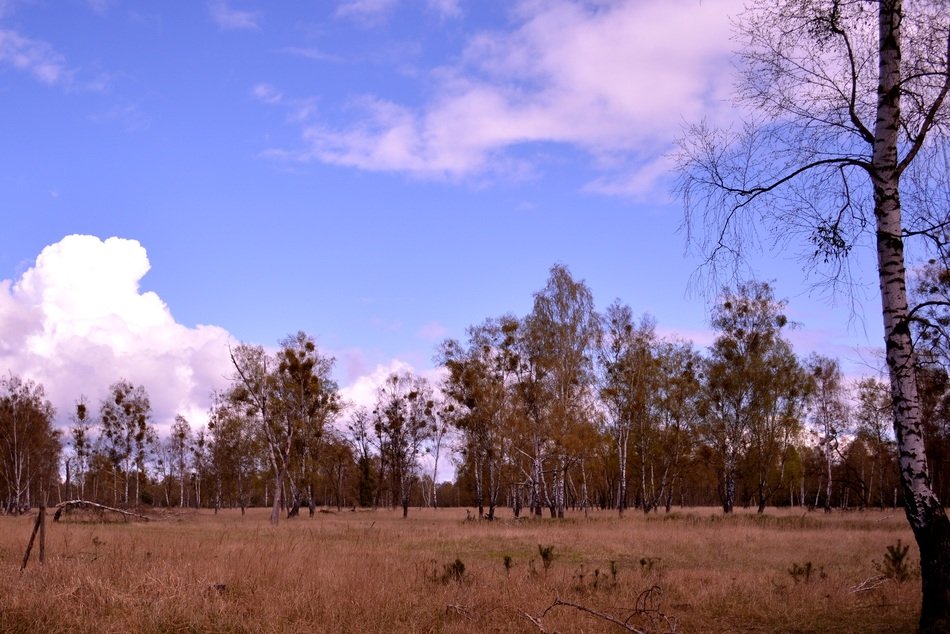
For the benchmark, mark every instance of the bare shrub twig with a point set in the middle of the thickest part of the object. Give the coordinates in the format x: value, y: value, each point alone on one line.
x: 869, y: 584
x: 647, y: 605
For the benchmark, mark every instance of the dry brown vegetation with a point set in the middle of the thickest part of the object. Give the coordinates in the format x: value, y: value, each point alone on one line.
x: 372, y: 571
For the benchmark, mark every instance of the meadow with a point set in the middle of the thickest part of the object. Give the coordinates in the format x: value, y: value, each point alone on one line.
x: 372, y: 571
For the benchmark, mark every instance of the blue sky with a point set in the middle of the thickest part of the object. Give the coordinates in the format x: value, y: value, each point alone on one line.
x: 379, y: 173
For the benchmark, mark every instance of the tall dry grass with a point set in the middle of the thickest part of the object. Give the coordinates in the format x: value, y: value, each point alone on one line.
x: 375, y: 572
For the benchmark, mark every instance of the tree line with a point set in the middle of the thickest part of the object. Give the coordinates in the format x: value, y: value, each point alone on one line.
x: 562, y: 408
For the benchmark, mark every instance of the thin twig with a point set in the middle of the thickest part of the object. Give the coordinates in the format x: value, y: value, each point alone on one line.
x: 535, y: 620
x: 869, y: 584
x: 651, y: 612
x: 458, y: 608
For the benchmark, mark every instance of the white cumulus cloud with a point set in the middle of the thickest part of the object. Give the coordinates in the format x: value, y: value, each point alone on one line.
x: 362, y: 391
x: 615, y: 79
x: 77, y: 321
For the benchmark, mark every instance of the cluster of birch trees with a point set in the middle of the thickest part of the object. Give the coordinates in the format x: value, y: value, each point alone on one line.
x: 565, y: 407
x: 562, y: 408
x: 29, y: 443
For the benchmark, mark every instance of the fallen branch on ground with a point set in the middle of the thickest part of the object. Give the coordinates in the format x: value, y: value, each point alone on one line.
x: 647, y: 606
x: 71, y: 504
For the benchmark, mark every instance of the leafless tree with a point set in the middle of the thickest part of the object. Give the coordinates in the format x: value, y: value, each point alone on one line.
x: 845, y: 144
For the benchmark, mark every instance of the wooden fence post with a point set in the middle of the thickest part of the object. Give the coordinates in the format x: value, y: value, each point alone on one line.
x: 29, y: 546
x: 43, y: 533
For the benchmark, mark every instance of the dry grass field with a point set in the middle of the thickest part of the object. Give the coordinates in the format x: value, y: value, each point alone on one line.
x: 372, y: 571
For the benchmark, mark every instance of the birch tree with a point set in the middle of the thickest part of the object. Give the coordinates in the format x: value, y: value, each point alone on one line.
x: 781, y: 392
x: 476, y: 387
x: 629, y: 381
x: 845, y: 145
x: 125, y: 419
x: 403, y: 420
x: 530, y: 441
x: 29, y: 446
x: 179, y: 441
x: 932, y: 318
x: 676, y: 408
x: 828, y: 412
x: 872, y: 417
x: 440, y: 428
x: 252, y: 389
x: 233, y: 451
x: 307, y: 401
x: 290, y: 397
x: 198, y: 449
x: 80, y: 439
x: 359, y: 431
x: 562, y: 330
x: 751, y: 380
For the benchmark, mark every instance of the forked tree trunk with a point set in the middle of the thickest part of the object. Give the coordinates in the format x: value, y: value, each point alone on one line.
x: 536, y: 479
x: 828, y: 464
x: 560, y: 487
x: 728, y: 484
x: 275, y: 508
x: 924, y: 512
x: 492, y: 489
x: 479, y: 494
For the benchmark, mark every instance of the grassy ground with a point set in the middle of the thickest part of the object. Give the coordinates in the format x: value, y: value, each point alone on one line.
x: 375, y: 572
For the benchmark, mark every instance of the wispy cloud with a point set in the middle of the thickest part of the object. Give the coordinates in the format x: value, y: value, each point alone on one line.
x: 267, y: 93
x: 128, y: 115
x: 298, y: 110
x: 232, y: 19
x: 313, y: 54
x: 615, y: 80
x: 446, y: 8
x: 433, y: 331
x: 35, y: 57
x: 7, y: 7
x: 100, y: 6
x: 369, y: 12
x: 637, y: 184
